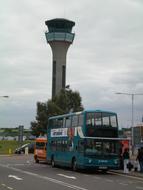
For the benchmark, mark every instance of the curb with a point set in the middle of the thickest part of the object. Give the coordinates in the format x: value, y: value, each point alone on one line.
x: 5, y: 155
x: 132, y: 173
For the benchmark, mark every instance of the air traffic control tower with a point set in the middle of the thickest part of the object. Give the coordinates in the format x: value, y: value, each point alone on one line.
x: 59, y: 37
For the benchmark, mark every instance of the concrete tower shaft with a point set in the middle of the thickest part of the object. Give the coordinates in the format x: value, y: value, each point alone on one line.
x: 59, y: 51
x: 59, y: 38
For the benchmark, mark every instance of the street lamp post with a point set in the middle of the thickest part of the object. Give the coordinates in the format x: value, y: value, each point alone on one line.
x: 132, y: 121
x: 4, y: 96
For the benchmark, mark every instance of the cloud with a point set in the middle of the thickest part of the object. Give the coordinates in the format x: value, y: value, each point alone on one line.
x: 105, y: 57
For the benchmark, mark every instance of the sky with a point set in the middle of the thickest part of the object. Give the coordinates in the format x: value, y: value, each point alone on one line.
x: 106, y: 56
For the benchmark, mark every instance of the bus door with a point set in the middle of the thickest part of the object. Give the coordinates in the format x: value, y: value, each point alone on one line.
x: 64, y: 151
x: 81, y: 150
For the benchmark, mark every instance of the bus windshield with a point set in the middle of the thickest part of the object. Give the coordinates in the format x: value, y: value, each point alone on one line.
x: 40, y: 145
x: 98, y: 147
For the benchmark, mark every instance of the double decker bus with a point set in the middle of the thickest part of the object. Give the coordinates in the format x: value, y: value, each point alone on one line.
x: 87, y: 139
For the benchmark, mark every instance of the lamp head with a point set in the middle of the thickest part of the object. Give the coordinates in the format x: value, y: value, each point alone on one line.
x: 118, y: 93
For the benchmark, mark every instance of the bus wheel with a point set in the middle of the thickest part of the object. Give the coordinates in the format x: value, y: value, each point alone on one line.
x: 36, y: 160
x: 74, y: 165
x: 53, y: 162
x: 104, y: 171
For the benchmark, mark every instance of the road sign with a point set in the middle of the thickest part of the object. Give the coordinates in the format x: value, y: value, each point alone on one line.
x: 20, y: 136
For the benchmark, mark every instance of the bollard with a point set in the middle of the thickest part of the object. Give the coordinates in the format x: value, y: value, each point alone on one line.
x: 26, y: 151
x: 9, y: 150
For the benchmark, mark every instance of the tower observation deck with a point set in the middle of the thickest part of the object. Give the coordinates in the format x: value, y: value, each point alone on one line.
x: 59, y: 37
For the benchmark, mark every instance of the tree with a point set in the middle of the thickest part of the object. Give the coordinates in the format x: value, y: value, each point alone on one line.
x: 64, y: 102
x: 53, y: 109
x: 39, y: 126
x: 68, y: 101
x: 35, y: 130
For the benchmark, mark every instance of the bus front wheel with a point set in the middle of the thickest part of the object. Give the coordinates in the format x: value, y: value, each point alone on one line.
x: 74, y: 165
x: 104, y: 171
x: 36, y: 159
x: 53, y: 162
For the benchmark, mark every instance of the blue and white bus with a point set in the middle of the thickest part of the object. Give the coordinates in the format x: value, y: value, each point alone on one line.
x: 87, y: 139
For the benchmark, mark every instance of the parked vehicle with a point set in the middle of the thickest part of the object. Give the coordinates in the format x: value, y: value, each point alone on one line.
x: 21, y: 149
x: 40, y: 149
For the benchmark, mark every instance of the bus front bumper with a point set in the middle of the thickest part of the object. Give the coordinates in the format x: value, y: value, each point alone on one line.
x: 96, y: 167
x: 99, y: 164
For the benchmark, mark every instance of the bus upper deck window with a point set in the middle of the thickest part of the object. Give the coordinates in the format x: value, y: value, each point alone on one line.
x: 80, y: 121
x: 106, y: 121
x: 59, y: 123
x: 75, y: 121
x: 90, y: 119
x: 98, y: 119
x: 113, y: 121
x: 68, y: 122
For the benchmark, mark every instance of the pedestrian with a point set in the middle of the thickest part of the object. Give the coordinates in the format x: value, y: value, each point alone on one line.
x: 126, y: 160
x: 140, y: 158
x: 121, y: 158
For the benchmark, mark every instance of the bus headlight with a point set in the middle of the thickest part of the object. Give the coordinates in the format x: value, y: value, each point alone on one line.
x: 116, y: 161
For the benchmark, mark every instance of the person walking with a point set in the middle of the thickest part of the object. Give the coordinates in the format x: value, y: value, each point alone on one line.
x: 126, y: 160
x: 140, y: 158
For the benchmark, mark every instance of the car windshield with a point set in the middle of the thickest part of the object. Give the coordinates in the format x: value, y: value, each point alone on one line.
x: 24, y: 145
x: 94, y: 147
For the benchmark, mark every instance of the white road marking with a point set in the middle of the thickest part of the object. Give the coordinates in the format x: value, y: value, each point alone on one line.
x: 9, y: 188
x: 96, y: 177
x: 109, y: 180
x: 4, y: 185
x: 139, y: 187
x: 123, y: 184
x: 16, y: 164
x: 46, y: 178
x: 130, y: 182
x: 66, y: 176
x: 15, y: 177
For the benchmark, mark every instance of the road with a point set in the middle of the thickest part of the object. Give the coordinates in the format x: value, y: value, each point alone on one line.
x: 19, y: 172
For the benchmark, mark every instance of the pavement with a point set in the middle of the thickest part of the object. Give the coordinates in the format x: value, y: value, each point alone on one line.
x: 6, y: 155
x: 131, y: 173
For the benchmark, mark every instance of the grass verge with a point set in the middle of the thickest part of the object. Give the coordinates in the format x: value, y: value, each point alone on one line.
x: 8, y: 147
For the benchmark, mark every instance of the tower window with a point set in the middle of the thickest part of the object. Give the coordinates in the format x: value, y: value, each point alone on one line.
x: 63, y: 76
x: 54, y: 79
